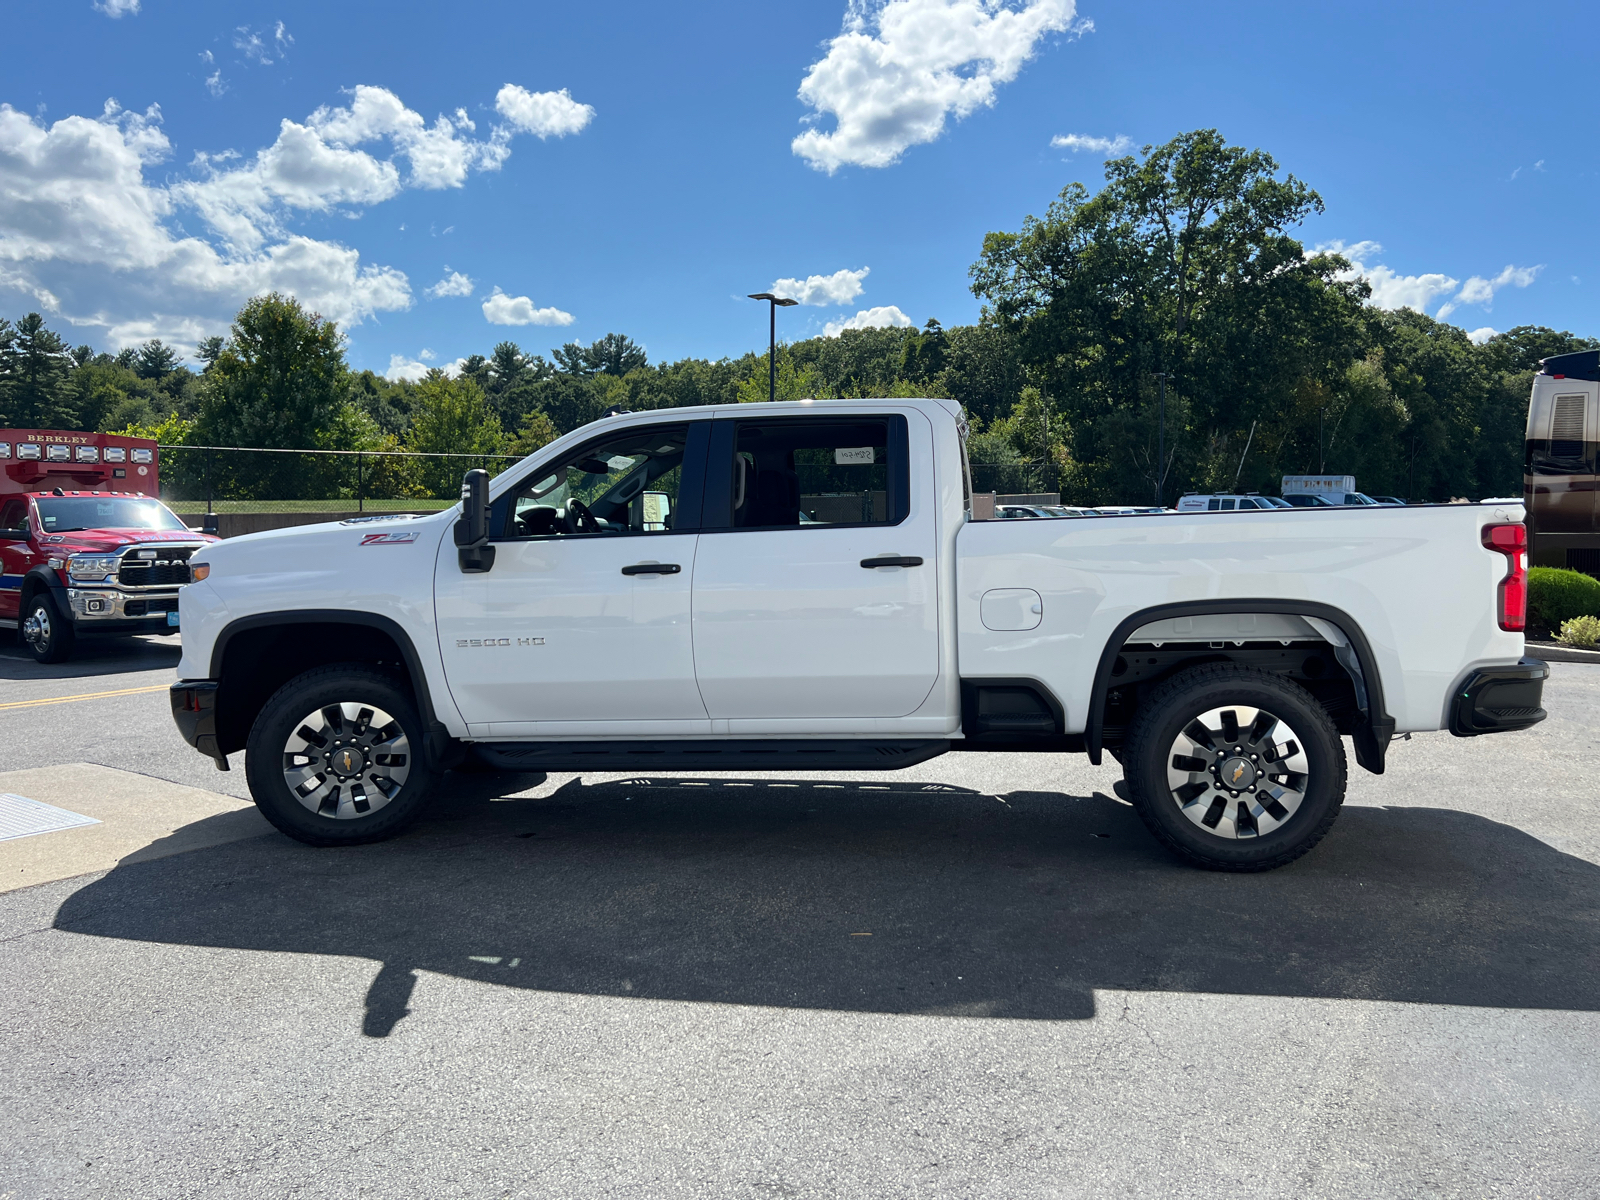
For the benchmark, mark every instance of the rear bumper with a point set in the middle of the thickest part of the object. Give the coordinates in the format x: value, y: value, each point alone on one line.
x: 194, y: 711
x: 1499, y: 699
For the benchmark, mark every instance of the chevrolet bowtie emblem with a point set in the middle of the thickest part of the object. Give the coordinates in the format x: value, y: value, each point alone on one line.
x: 1238, y: 772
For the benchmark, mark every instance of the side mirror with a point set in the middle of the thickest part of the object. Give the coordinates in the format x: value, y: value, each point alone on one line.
x: 474, y: 555
x: 655, y: 508
x: 13, y: 535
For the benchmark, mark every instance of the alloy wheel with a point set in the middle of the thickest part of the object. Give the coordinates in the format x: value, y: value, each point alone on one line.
x: 346, y: 761
x: 1238, y: 772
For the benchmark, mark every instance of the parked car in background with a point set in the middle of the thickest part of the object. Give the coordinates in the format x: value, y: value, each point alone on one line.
x: 1066, y: 510
x: 1308, y: 500
x: 1129, y: 510
x: 1391, y: 500
x: 1011, y: 512
x: 1228, y: 502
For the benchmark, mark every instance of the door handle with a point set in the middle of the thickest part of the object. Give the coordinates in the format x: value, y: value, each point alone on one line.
x: 891, y: 560
x: 652, y: 569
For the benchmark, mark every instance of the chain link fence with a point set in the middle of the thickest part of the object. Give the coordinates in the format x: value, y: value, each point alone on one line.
x: 229, y: 479
x: 202, y: 480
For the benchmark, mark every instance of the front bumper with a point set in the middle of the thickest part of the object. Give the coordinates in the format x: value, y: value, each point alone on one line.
x: 91, y: 606
x: 194, y: 711
x: 1500, y: 699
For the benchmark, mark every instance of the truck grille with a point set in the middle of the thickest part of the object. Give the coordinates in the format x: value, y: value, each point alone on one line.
x: 169, y: 566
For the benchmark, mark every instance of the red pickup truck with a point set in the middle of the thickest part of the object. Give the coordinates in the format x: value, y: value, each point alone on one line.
x: 85, y: 546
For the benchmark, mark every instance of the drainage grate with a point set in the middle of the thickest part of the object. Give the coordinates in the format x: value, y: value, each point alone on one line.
x: 21, y: 817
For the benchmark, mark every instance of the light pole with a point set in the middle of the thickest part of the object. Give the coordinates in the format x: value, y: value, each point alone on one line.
x: 1161, y: 438
x: 774, y: 303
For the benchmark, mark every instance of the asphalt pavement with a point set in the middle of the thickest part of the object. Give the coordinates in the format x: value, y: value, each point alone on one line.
x: 979, y: 977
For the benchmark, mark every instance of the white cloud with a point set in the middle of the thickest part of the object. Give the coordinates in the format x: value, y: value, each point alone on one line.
x: 88, y: 239
x: 1480, y: 291
x: 1393, y: 290
x: 1479, y: 336
x: 839, y: 288
x: 501, y: 309
x: 257, y: 46
x: 408, y: 369
x: 426, y: 355
x: 886, y: 317
x: 214, y: 83
x: 117, y: 8
x: 899, y: 68
x: 1110, y: 147
x: 544, y: 114
x: 453, y: 284
x: 1389, y: 288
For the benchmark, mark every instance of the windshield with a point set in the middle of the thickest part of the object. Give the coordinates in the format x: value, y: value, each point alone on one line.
x: 63, y: 514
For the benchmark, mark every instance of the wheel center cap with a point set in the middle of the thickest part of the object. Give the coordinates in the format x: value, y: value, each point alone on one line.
x: 1237, y: 774
x: 346, y: 761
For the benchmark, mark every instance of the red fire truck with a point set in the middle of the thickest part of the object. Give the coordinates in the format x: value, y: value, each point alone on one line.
x: 85, y: 545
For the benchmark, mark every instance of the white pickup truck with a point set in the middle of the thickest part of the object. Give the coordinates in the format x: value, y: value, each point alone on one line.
x: 801, y: 586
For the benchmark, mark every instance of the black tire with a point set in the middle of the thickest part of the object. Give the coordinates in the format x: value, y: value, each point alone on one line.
x: 48, y: 635
x: 1160, y: 748
x: 275, y: 729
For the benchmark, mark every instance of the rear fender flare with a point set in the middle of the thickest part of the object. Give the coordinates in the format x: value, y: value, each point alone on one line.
x: 1371, y: 737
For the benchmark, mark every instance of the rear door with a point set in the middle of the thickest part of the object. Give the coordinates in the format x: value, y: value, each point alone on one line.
x: 815, y: 585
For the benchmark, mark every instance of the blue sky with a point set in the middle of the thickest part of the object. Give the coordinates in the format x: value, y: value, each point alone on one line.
x: 634, y: 167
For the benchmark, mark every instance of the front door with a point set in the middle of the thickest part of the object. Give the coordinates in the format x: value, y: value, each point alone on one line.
x: 584, y: 617
x: 815, y: 585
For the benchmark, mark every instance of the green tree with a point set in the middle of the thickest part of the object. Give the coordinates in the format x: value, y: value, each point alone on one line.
x: 279, y: 382
x: 1181, y: 264
x: 155, y: 360
x: 452, y: 416
x: 537, y: 431
x: 613, y: 354
x: 35, y: 368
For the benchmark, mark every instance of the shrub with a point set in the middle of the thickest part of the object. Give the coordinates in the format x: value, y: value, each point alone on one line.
x: 1580, y: 632
x: 1556, y: 595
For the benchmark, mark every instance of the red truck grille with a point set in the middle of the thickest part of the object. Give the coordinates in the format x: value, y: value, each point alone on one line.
x: 170, y: 565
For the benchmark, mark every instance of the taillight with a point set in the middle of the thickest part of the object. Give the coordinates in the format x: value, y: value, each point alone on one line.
x: 1512, y: 541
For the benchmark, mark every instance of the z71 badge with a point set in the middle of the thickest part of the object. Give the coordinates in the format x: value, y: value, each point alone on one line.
x: 389, y: 539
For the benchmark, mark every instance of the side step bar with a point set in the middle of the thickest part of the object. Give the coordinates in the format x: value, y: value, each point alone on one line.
x: 790, y: 754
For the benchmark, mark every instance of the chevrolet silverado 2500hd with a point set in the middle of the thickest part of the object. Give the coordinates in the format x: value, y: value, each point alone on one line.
x: 801, y: 586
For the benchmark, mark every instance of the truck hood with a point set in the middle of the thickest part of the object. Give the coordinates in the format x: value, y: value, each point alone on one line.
x: 109, y: 541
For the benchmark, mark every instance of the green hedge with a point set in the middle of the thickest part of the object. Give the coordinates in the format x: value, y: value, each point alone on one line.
x: 1556, y: 595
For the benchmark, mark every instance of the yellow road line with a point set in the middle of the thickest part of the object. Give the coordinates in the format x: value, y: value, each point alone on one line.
x: 159, y: 687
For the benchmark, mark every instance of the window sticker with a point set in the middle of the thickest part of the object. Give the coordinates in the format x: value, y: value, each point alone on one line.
x: 852, y: 455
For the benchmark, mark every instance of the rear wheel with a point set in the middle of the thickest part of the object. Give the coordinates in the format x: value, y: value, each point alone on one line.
x: 47, y: 634
x: 1235, y: 769
x: 335, y: 757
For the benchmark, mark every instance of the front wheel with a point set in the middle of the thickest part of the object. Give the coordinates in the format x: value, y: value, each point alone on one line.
x: 1235, y: 769
x: 48, y: 635
x: 335, y: 757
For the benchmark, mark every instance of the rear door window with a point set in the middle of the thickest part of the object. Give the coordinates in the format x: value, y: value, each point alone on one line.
x: 808, y: 472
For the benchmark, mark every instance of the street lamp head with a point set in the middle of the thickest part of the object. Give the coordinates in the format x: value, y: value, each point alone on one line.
x: 780, y: 301
x: 762, y: 296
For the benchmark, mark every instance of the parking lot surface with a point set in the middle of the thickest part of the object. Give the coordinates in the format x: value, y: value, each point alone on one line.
x: 979, y: 977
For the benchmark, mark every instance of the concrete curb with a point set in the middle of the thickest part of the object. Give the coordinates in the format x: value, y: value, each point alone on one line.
x: 1552, y: 652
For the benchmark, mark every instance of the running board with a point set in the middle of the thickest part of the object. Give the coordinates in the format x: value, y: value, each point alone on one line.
x: 792, y: 754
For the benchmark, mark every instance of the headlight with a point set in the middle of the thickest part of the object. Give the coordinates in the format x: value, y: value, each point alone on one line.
x: 92, y: 566
x: 199, y: 571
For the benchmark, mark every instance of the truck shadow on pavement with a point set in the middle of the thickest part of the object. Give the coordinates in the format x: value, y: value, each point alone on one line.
x: 91, y: 657
x: 895, y: 898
